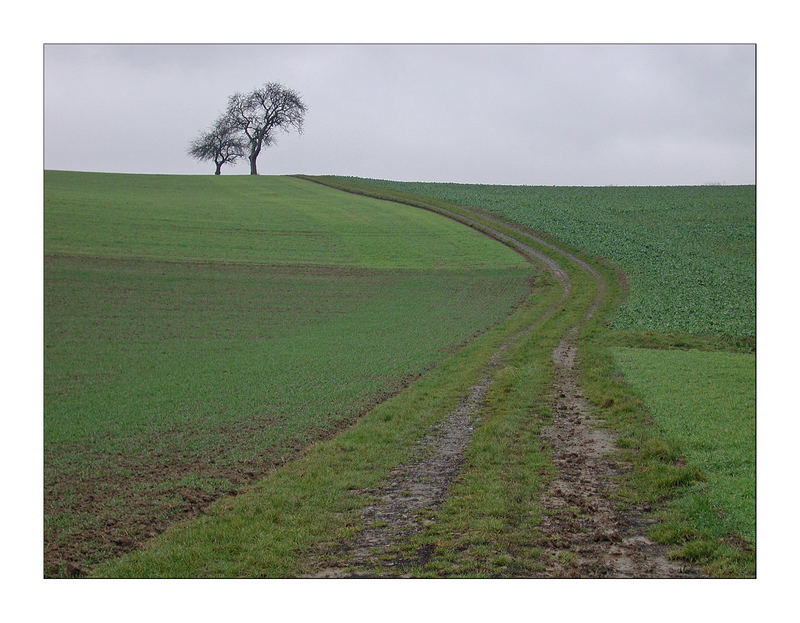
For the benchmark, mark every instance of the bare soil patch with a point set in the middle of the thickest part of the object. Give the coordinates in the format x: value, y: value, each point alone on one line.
x: 130, y: 498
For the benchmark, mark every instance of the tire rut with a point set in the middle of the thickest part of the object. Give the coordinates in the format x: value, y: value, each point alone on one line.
x: 421, y: 485
x: 585, y: 534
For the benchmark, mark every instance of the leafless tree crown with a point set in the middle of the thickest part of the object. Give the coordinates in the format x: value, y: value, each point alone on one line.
x: 260, y: 113
x: 249, y: 124
x: 221, y: 143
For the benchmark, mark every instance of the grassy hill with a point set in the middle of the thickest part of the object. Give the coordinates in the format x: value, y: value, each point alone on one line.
x: 231, y: 335
x: 201, y: 330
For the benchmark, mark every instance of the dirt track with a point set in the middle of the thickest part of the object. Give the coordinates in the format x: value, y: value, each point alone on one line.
x: 584, y: 535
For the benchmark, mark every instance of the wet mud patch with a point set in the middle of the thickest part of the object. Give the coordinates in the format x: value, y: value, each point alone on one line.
x: 584, y: 534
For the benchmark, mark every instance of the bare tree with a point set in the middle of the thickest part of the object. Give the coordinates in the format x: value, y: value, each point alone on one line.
x: 222, y: 144
x: 259, y: 114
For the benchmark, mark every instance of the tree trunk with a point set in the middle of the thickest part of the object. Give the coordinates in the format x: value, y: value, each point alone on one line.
x: 255, y: 149
x: 219, y: 167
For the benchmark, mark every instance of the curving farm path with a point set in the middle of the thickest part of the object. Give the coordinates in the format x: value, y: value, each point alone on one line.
x: 583, y: 533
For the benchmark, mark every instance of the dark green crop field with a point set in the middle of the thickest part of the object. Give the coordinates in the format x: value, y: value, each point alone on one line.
x: 199, y: 331
x: 688, y: 251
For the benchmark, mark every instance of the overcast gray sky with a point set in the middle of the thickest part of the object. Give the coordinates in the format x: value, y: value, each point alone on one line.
x: 502, y: 114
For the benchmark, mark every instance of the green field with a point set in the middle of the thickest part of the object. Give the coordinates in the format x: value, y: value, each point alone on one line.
x: 688, y: 252
x: 200, y: 330
x: 261, y: 351
x: 705, y: 403
x: 244, y: 219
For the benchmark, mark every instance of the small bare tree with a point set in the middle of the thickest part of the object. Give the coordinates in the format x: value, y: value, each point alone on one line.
x: 259, y: 114
x: 222, y: 144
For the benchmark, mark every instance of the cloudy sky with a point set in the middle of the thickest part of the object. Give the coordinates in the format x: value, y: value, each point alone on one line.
x: 504, y: 114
